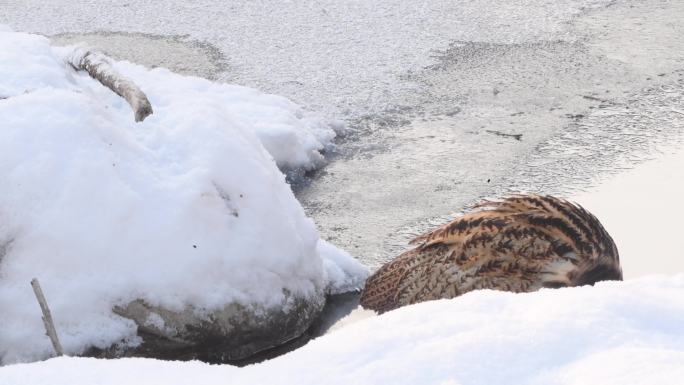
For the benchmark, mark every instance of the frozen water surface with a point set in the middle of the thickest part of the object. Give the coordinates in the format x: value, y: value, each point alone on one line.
x: 332, y: 56
x: 543, y: 116
x: 448, y: 101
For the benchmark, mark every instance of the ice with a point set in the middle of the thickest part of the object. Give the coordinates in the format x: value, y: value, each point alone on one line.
x: 600, y: 97
x: 312, y: 51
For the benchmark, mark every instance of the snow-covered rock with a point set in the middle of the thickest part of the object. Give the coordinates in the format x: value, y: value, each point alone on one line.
x: 230, y: 333
x: 621, y: 333
x: 186, y: 212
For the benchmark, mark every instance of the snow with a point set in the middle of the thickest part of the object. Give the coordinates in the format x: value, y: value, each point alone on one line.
x: 343, y: 273
x: 293, y: 137
x: 614, y: 333
x: 185, y: 208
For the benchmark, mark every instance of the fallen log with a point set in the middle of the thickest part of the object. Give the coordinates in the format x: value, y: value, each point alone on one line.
x: 99, y: 67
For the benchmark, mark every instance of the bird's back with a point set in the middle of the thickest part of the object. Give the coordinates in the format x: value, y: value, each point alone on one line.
x: 520, y: 244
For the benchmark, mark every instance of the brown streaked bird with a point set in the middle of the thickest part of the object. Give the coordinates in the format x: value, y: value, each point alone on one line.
x: 521, y: 243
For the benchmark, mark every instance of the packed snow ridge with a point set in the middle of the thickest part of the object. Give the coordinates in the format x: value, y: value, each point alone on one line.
x: 187, y: 208
x: 622, y: 333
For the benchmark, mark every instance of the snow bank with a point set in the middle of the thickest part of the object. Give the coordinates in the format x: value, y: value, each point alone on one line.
x: 294, y: 139
x: 185, y: 208
x: 614, y: 333
x: 342, y: 272
x: 640, y: 210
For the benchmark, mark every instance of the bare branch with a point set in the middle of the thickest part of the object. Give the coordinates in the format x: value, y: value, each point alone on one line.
x: 47, y: 317
x: 99, y: 67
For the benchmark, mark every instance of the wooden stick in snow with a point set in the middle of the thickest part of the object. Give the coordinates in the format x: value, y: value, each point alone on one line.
x: 99, y: 67
x: 47, y: 317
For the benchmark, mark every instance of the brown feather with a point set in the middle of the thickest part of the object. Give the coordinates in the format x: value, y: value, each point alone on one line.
x: 521, y: 243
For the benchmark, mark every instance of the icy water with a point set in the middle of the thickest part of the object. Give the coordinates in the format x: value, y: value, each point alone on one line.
x: 543, y: 116
x: 447, y: 102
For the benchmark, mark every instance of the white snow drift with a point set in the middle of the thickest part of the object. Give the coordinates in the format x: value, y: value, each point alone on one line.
x: 185, y: 208
x: 622, y: 333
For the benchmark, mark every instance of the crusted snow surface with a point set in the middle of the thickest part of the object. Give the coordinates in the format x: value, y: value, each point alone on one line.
x: 613, y: 333
x: 187, y: 208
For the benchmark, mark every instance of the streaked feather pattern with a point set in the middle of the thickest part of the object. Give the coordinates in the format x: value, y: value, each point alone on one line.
x: 521, y: 243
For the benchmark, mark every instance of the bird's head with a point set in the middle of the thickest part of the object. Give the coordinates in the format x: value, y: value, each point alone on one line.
x: 603, y: 270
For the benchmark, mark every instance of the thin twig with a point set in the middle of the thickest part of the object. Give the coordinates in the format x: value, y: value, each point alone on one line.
x: 47, y: 317
x: 499, y: 133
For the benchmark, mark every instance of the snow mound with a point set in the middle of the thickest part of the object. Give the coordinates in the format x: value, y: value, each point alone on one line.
x: 342, y: 272
x: 293, y: 138
x: 618, y: 333
x: 187, y: 208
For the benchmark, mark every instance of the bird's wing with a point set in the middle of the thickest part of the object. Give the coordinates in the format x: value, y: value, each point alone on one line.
x: 380, y: 290
x: 520, y: 243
